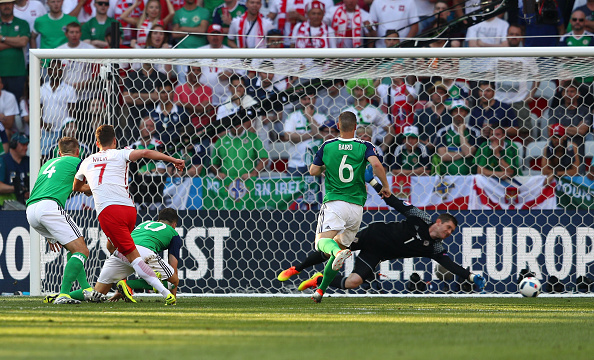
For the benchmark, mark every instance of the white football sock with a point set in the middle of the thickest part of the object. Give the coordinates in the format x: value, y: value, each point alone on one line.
x: 145, y: 272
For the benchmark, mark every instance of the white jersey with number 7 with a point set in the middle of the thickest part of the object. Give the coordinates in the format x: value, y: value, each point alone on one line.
x: 107, y: 175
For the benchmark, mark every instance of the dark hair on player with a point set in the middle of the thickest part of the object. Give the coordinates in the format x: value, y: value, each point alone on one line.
x: 68, y: 145
x: 74, y: 25
x: 488, y: 83
x: 347, y: 121
x: 235, y: 77
x: 169, y: 215
x: 165, y: 84
x: 105, y: 135
x: 447, y: 217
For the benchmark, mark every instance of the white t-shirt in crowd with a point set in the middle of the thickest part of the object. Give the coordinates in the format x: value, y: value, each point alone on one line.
x: 55, y: 104
x: 393, y: 14
x: 76, y: 71
x: 297, y: 122
x: 106, y: 173
x: 493, y: 31
x: 8, y: 104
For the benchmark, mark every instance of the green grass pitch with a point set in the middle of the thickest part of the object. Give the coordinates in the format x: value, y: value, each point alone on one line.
x: 296, y: 328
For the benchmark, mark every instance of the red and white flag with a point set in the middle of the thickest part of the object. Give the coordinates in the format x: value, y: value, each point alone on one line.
x: 525, y: 192
x: 426, y: 192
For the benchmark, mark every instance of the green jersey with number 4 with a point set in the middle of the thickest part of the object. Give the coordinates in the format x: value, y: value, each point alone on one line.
x: 55, y: 179
x: 153, y: 235
x: 345, y: 161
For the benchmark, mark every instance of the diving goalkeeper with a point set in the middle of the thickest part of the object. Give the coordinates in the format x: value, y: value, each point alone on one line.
x: 416, y: 236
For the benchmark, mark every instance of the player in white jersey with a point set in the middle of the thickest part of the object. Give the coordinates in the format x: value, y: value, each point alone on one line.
x: 106, y: 172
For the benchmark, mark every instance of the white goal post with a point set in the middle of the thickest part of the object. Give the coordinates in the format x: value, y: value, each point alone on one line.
x: 459, y: 63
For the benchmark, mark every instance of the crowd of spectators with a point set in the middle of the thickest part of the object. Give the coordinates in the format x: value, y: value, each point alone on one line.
x: 421, y: 125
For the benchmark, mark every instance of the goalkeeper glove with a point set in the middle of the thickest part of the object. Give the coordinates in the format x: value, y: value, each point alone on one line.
x: 368, y: 173
x: 479, y: 281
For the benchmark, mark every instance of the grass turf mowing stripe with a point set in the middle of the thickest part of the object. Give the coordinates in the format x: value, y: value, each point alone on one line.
x: 291, y: 328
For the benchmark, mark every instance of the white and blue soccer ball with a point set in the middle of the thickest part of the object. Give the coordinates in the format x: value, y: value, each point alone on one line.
x: 529, y: 287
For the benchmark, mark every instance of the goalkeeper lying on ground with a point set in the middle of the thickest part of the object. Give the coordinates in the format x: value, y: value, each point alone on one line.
x: 417, y: 236
x: 150, y: 238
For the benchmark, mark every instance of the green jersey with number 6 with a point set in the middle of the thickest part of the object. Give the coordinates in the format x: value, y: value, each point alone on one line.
x: 345, y: 161
x: 153, y: 235
x: 55, y: 179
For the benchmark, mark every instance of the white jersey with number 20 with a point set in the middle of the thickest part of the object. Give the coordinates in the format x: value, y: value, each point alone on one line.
x: 107, y: 175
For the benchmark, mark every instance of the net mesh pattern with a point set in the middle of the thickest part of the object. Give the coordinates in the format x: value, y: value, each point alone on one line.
x: 248, y: 208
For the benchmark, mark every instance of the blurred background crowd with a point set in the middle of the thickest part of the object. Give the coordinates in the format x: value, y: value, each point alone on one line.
x: 421, y: 125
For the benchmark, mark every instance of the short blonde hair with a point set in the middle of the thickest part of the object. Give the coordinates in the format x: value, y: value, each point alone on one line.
x: 364, y: 130
x: 68, y: 145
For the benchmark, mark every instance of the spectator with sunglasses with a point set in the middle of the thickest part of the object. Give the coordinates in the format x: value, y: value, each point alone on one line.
x: 587, y: 6
x: 93, y: 31
x: 578, y: 35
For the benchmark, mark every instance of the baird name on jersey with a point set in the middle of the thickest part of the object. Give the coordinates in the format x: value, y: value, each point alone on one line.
x: 345, y: 146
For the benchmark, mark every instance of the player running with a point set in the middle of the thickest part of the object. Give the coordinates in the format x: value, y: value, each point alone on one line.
x: 45, y: 213
x: 417, y: 236
x: 106, y: 172
x: 343, y: 160
x: 151, y: 238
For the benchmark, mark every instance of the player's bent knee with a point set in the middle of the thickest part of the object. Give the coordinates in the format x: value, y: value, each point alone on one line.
x: 353, y: 281
x: 174, y: 280
x: 102, y: 288
x: 132, y: 255
x: 78, y: 246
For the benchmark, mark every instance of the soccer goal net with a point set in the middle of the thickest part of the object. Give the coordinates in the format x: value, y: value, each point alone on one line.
x: 500, y: 139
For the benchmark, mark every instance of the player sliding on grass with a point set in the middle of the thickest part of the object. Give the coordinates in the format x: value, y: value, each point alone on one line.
x: 150, y: 238
x: 45, y: 213
x: 107, y: 174
x: 343, y: 160
x: 417, y: 236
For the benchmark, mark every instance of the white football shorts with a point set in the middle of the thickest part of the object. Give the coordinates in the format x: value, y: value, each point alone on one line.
x: 114, y: 269
x: 51, y: 221
x: 341, y: 216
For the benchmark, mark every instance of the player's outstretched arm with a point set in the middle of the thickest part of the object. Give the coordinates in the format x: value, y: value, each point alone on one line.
x: 402, y: 207
x: 463, y: 273
x: 380, y: 172
x: 155, y: 155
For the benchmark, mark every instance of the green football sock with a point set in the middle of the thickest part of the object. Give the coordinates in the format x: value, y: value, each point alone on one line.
x: 328, y: 246
x: 73, y: 267
x: 141, y: 284
x: 82, y: 275
x: 329, y: 274
x: 78, y: 295
x: 138, y: 284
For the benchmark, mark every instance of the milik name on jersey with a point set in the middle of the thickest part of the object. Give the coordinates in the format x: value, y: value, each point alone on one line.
x: 345, y: 146
x: 99, y: 159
